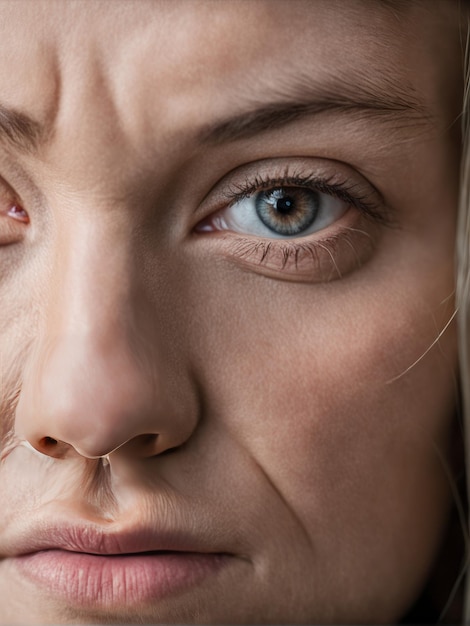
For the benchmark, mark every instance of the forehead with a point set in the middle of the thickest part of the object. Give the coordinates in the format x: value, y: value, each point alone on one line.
x: 171, y: 49
x: 125, y: 73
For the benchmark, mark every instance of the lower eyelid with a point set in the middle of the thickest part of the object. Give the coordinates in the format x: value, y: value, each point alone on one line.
x: 316, y: 259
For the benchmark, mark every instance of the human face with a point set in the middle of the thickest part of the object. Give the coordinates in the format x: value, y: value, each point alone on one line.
x: 264, y: 382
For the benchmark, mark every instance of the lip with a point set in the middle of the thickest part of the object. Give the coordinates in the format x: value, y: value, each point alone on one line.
x: 104, y: 540
x: 89, y: 565
x: 124, y: 580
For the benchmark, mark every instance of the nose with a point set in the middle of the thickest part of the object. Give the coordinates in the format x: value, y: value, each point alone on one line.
x: 104, y: 375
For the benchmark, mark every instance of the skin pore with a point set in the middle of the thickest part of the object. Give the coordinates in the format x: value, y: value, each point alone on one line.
x: 260, y: 398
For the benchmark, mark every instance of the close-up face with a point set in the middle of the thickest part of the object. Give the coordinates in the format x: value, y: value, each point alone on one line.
x: 227, y: 356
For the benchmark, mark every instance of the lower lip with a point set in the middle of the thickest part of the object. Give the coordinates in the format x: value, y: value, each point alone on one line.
x: 109, y: 581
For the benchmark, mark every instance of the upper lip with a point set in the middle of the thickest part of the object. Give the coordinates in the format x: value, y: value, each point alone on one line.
x: 104, y: 540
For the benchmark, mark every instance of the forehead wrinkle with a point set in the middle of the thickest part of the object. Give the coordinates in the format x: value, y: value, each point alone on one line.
x: 386, y: 99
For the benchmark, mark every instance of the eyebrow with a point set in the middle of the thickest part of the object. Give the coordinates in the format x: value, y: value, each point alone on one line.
x: 301, y: 98
x: 23, y: 132
x: 387, y: 100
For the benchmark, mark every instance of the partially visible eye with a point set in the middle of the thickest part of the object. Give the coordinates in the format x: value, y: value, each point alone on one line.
x: 13, y: 221
x: 278, y: 212
x: 18, y: 213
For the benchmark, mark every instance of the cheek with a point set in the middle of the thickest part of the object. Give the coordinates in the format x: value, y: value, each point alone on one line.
x: 319, y: 384
x: 310, y: 385
x: 337, y: 398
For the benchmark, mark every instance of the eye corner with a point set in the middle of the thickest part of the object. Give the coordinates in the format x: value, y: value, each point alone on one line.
x: 18, y: 213
x: 14, y: 222
x: 204, y: 226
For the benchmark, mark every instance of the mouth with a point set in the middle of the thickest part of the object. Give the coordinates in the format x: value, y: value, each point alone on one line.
x: 88, y: 566
x: 113, y: 580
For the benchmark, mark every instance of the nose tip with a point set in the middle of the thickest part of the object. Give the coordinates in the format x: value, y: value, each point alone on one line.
x: 78, y: 401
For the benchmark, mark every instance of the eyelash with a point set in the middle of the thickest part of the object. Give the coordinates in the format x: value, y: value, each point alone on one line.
x: 340, y: 189
x: 293, y: 251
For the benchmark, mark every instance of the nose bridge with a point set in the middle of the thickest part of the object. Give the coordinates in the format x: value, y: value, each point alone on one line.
x: 90, y: 298
x: 95, y: 379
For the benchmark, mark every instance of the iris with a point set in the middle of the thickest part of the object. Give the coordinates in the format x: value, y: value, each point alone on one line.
x: 287, y: 210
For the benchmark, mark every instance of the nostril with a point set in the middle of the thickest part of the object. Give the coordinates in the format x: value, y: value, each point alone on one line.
x: 52, y: 447
x: 152, y: 445
x: 48, y: 445
x: 149, y: 444
x: 48, y: 441
x: 148, y: 440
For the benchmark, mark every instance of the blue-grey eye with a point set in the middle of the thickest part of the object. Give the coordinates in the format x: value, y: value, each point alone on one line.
x: 278, y: 213
x: 287, y: 210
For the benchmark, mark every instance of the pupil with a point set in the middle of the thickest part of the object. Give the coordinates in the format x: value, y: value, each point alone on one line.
x: 285, y: 205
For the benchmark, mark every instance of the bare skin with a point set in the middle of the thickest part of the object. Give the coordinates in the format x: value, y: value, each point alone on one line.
x: 260, y: 384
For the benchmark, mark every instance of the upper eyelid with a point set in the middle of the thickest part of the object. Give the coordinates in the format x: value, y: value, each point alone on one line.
x: 326, y: 175
x: 322, y: 185
x: 280, y: 168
